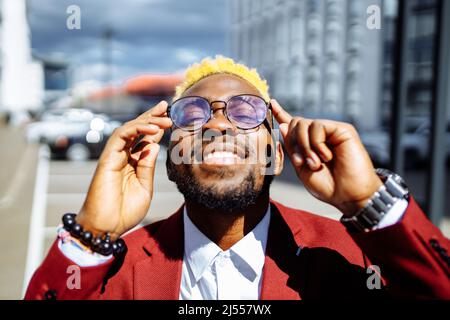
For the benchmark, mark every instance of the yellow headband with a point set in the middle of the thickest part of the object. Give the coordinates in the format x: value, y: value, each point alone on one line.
x: 221, y: 64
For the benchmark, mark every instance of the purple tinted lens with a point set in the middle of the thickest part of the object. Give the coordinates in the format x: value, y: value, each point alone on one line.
x: 190, y: 113
x: 246, y: 112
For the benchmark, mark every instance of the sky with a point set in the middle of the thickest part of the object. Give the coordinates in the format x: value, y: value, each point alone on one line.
x: 150, y: 36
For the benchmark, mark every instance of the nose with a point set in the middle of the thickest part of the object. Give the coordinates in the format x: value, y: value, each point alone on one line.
x: 219, y: 121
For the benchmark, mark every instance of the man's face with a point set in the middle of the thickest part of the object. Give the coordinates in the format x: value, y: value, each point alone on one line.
x: 223, y: 167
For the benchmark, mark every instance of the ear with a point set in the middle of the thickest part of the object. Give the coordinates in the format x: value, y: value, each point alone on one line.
x: 279, y: 159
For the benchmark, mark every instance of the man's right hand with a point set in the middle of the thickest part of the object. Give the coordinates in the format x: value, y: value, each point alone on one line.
x: 122, y: 187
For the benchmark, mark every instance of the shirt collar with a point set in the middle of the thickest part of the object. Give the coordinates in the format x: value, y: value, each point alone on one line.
x: 200, y: 251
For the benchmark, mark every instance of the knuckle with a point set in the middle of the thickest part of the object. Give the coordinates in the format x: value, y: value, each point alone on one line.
x: 305, y: 123
x: 117, y: 131
x: 292, y: 123
x: 150, y: 120
x: 317, y: 124
x: 128, y: 123
x: 351, y: 128
x: 293, y: 131
x: 303, y: 128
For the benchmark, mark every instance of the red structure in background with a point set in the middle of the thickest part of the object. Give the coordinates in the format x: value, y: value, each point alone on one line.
x: 152, y: 85
x: 147, y: 85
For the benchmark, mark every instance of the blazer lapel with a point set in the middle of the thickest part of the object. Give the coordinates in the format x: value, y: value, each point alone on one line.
x: 282, y: 264
x: 158, y: 277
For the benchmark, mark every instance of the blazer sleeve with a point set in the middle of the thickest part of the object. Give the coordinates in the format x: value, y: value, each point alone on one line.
x: 58, y: 277
x: 412, y: 256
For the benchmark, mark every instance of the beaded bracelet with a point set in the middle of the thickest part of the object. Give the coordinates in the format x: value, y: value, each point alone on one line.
x: 99, y: 244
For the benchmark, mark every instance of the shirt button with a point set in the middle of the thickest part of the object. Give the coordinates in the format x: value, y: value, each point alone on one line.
x: 222, y: 260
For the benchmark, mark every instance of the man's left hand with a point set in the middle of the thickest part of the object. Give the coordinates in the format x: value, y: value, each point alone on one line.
x: 329, y: 159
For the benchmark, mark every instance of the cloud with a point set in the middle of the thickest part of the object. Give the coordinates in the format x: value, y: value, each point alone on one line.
x: 186, y: 55
x: 149, y: 35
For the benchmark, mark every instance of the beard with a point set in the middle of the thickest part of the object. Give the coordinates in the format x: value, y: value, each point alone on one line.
x: 227, y: 200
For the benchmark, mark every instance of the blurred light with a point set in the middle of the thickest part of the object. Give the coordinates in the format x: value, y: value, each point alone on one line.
x: 93, y: 136
x: 78, y: 115
x: 97, y: 124
x: 61, y: 142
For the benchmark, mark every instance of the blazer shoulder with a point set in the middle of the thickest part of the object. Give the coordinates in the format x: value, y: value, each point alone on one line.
x: 145, y: 233
x: 299, y: 218
x: 146, y: 236
x: 314, y: 229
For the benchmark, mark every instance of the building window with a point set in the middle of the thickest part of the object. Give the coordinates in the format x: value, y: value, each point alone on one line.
x: 295, y: 35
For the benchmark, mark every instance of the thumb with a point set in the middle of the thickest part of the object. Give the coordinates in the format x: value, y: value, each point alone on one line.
x: 145, y: 169
x: 284, y: 129
x: 279, y: 113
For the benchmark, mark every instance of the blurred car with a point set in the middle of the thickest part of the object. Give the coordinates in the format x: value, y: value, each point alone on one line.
x: 74, y: 134
x: 415, y: 143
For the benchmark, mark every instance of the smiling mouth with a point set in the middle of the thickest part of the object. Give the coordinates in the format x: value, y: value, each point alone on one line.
x: 222, y: 158
x: 223, y: 155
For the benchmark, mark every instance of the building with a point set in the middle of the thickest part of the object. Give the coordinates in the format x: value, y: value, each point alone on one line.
x: 55, y: 77
x: 421, y: 34
x: 27, y: 82
x: 319, y: 56
x: 21, y: 77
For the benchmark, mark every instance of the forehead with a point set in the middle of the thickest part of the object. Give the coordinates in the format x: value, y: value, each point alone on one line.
x: 221, y: 87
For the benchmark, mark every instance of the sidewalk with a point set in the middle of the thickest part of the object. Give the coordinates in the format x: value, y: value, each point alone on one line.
x: 17, y: 175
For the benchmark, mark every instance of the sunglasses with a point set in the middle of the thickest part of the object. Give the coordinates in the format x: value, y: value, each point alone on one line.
x: 244, y: 111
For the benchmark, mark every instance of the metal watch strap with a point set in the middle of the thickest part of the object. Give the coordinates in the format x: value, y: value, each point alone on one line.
x: 393, y: 190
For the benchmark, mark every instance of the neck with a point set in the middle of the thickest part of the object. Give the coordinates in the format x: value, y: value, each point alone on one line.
x: 225, y: 228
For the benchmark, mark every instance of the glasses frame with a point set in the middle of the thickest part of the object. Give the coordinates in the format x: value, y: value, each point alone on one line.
x: 265, y: 122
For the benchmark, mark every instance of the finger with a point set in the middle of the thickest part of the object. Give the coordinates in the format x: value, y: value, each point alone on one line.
x: 162, y: 123
x: 284, y: 128
x: 140, y: 143
x: 279, y: 113
x: 318, y: 138
x: 160, y: 109
x: 291, y: 145
x: 123, y: 135
x: 338, y: 132
x: 145, y: 169
x: 303, y: 142
x: 157, y: 111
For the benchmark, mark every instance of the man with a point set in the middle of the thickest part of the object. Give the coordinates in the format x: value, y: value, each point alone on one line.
x: 230, y: 240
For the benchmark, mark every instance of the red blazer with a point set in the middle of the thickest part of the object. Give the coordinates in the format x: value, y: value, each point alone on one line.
x: 307, y: 257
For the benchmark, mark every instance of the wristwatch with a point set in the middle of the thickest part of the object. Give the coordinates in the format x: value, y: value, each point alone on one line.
x: 393, y: 190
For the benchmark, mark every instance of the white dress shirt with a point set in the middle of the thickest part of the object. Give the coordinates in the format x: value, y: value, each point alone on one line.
x: 210, y: 273
x: 213, y: 274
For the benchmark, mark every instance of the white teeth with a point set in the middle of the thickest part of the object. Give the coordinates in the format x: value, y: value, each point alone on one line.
x: 220, y: 155
x: 222, y: 158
